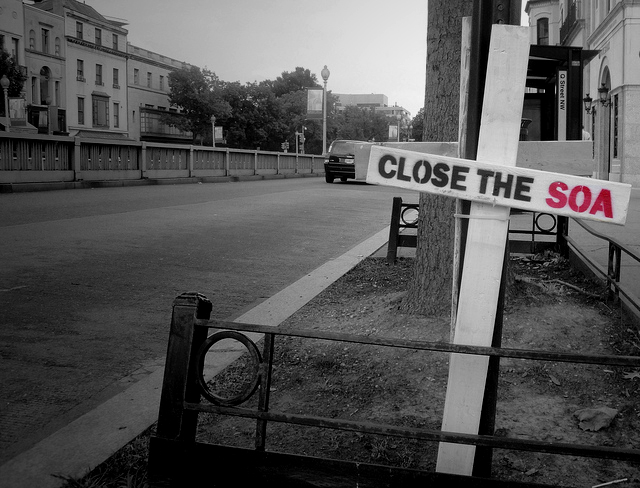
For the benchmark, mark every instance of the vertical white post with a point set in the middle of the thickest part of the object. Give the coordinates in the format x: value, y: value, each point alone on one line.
x: 486, y: 240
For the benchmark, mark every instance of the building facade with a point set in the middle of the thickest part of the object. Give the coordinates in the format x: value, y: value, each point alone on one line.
x: 611, y: 78
x: 12, y: 29
x: 45, y: 88
x: 95, y: 70
x: 148, y: 94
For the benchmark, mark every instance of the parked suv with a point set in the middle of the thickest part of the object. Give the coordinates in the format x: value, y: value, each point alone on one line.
x: 340, y: 160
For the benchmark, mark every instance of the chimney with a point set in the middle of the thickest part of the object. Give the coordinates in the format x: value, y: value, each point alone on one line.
x: 58, y: 7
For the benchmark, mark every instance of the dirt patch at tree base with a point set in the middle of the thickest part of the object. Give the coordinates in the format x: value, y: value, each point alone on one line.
x: 549, y: 307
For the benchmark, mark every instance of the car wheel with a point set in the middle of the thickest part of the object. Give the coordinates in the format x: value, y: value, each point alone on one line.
x: 328, y: 177
x: 344, y: 178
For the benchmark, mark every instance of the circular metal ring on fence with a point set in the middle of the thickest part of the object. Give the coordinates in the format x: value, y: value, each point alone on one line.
x: 251, y: 386
x: 409, y: 216
x: 553, y: 220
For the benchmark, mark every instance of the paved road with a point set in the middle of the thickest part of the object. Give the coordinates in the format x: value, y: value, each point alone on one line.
x: 88, y: 278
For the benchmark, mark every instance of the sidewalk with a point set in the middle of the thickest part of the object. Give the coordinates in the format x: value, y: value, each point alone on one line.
x: 627, y: 235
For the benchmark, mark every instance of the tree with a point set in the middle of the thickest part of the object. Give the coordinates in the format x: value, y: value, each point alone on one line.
x: 16, y: 77
x: 295, y: 81
x: 197, y: 93
x: 418, y: 126
x: 256, y: 116
x: 430, y: 290
x: 362, y: 124
x: 291, y: 89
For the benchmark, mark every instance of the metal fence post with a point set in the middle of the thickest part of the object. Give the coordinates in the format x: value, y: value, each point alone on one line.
x: 77, y: 166
x: 562, y: 231
x: 394, y: 229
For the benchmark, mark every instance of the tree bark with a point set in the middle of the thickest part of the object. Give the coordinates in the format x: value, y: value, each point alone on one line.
x: 430, y: 290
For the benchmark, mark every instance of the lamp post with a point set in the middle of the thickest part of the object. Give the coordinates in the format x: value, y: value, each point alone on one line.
x: 213, y: 130
x: 325, y: 76
x: 4, y: 82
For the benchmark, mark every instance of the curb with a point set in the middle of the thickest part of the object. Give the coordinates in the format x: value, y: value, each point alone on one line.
x: 88, y: 441
x: 77, y: 185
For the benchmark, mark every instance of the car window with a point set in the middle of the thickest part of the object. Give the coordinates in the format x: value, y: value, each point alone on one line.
x: 342, y: 148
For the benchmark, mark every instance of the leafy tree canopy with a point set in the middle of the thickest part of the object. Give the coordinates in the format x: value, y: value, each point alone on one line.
x: 297, y: 80
x: 265, y: 114
x: 16, y: 77
x: 197, y: 92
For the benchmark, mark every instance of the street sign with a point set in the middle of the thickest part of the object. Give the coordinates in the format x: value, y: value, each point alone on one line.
x: 496, y: 184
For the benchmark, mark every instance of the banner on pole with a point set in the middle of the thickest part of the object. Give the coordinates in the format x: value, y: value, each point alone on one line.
x: 314, y: 103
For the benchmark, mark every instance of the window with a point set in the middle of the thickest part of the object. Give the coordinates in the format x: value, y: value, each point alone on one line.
x: 115, y: 42
x: 99, y: 75
x: 79, y: 30
x: 80, y: 73
x: 543, y: 31
x: 148, y: 80
x: 80, y: 111
x: 161, y: 82
x: 32, y: 39
x: 100, y: 111
x: 57, y: 93
x: 14, y: 49
x: 45, y: 41
x: 57, y: 46
x: 116, y: 78
x: 116, y: 114
x: 98, y: 36
x: 1, y: 41
x: 616, y: 115
x: 136, y: 76
x: 34, y: 89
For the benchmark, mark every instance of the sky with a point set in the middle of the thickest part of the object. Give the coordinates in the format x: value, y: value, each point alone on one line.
x: 369, y: 46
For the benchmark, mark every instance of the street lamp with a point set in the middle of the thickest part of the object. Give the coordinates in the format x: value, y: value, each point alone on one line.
x: 398, y: 116
x: 213, y: 130
x: 325, y: 76
x: 4, y: 82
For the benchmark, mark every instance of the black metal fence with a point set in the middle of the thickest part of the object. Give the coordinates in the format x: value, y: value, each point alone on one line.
x: 176, y: 459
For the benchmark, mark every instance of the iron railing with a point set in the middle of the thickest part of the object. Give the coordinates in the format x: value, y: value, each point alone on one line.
x: 570, y: 20
x: 615, y: 288
x: 175, y: 457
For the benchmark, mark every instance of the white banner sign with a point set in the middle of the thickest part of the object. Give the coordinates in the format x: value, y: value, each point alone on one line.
x: 495, y: 184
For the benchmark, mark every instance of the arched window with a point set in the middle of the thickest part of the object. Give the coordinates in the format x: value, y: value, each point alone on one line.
x: 45, y: 91
x: 543, y: 31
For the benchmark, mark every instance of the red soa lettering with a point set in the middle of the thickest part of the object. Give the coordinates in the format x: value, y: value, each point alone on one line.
x: 580, y: 199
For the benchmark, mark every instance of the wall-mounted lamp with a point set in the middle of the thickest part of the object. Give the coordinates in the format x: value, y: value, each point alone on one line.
x: 603, y: 98
x: 588, y: 105
x: 603, y: 91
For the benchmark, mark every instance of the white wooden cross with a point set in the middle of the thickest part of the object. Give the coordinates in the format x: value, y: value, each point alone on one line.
x: 493, y: 184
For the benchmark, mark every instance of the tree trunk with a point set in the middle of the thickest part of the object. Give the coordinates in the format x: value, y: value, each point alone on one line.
x: 430, y: 290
